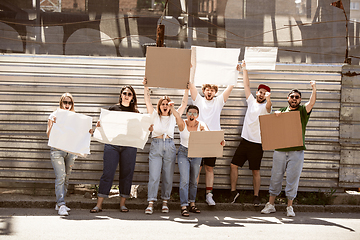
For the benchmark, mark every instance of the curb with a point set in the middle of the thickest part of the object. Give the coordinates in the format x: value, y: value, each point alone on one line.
x: 141, y: 205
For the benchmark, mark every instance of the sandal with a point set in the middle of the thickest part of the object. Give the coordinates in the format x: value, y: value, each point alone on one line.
x: 194, y: 209
x: 124, y: 209
x: 164, y: 208
x: 184, y: 212
x: 96, y: 209
x: 149, y: 210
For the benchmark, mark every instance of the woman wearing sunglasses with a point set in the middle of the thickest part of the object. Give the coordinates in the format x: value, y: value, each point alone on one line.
x: 115, y: 155
x: 162, y: 154
x: 61, y: 161
x: 188, y: 167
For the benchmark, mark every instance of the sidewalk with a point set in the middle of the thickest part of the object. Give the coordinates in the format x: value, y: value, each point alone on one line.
x: 79, y: 201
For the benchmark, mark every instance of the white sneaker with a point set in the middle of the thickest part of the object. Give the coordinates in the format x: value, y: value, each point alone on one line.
x: 209, y: 200
x: 290, y: 211
x: 62, y: 211
x: 269, y: 208
x: 57, y: 208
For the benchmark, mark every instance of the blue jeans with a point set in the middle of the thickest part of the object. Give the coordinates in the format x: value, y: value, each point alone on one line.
x: 291, y: 163
x: 62, y: 163
x: 189, y: 171
x: 125, y: 157
x: 162, y: 157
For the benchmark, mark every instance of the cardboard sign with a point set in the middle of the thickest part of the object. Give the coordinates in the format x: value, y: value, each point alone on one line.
x: 123, y: 128
x: 214, y: 65
x: 260, y: 58
x: 167, y: 67
x: 70, y: 133
x: 281, y: 131
x: 205, y: 144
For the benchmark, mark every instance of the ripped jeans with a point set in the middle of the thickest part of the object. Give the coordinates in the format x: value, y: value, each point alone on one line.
x: 62, y: 163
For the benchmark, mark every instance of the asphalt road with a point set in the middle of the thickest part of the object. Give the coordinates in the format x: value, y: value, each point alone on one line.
x: 36, y: 223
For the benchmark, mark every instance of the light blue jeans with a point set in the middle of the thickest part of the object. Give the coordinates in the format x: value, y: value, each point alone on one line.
x: 291, y: 163
x: 62, y: 163
x: 162, y: 157
x: 189, y: 171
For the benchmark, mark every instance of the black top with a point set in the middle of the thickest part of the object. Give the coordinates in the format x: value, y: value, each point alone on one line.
x: 119, y: 107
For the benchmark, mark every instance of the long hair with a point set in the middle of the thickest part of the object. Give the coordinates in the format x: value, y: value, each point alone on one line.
x: 72, y: 100
x: 160, y: 102
x: 133, y: 102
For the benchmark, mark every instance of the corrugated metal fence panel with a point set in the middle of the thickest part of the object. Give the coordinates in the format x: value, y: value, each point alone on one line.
x: 31, y: 86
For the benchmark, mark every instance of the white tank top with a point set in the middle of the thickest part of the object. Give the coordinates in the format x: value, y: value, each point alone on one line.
x: 185, y: 134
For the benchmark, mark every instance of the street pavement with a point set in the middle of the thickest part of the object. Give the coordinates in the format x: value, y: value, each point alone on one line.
x: 44, y: 223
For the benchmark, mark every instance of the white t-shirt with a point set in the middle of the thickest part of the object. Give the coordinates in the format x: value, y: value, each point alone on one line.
x: 163, y: 125
x: 209, y: 111
x: 185, y: 134
x: 251, y: 126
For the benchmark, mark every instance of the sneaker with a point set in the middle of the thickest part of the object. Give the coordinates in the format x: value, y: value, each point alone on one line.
x: 62, y: 211
x: 256, y: 201
x: 209, y: 200
x: 269, y: 208
x: 290, y: 211
x: 234, y: 195
x: 57, y: 208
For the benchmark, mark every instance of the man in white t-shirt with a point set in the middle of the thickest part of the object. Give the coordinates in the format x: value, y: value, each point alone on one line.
x: 250, y: 148
x: 210, y: 109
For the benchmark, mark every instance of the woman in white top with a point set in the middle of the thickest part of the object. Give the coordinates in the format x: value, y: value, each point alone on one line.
x: 162, y: 154
x: 62, y: 161
x: 188, y: 167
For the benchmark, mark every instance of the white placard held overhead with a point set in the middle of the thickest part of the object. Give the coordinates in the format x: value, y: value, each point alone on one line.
x: 260, y: 58
x: 123, y: 128
x: 214, y: 65
x: 70, y: 133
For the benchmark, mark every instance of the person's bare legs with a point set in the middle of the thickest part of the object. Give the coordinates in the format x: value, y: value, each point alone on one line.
x: 233, y: 176
x: 209, y: 177
x: 100, y: 201
x: 256, y: 181
x: 122, y: 201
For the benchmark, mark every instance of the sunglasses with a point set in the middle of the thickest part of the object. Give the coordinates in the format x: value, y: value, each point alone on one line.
x: 67, y: 103
x: 192, y: 114
x: 296, y: 97
x: 129, y: 94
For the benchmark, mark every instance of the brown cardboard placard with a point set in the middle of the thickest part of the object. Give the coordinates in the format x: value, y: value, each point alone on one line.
x: 281, y: 131
x: 205, y: 144
x: 167, y: 67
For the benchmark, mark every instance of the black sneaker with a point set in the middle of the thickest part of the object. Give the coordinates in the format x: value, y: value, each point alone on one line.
x: 234, y: 195
x: 256, y: 201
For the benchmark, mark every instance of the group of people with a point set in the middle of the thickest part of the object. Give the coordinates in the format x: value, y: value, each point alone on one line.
x: 203, y: 115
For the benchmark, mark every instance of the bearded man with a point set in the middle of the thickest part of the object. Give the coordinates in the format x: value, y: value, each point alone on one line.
x: 250, y: 147
x: 290, y: 160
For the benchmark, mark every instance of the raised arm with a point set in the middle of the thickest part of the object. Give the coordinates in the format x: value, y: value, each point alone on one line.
x: 268, y: 102
x: 193, y: 91
x: 149, y: 106
x: 310, y: 104
x: 179, y: 121
x: 246, y: 80
x: 184, y: 102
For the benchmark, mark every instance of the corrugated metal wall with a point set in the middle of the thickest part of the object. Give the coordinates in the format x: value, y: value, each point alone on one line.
x: 31, y: 85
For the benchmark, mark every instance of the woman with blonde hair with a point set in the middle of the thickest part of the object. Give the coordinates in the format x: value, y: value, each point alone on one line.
x: 162, y: 154
x: 62, y: 161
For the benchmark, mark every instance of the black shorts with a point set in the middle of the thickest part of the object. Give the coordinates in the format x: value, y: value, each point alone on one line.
x: 250, y: 151
x: 209, y: 161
